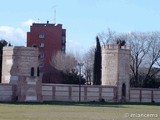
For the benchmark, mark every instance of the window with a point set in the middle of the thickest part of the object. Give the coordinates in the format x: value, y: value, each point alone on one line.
x: 32, y: 71
x: 34, y: 45
x: 37, y: 71
x: 41, y: 55
x: 41, y: 35
x: 41, y: 44
x: 124, y: 90
x: 63, y: 40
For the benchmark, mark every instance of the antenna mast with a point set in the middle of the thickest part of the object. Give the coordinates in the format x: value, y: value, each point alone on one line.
x: 54, y: 7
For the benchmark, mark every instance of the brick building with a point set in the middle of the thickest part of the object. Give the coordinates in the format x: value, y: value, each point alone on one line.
x: 49, y: 38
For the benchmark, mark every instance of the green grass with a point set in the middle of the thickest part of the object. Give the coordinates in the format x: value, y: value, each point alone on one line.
x: 77, y: 111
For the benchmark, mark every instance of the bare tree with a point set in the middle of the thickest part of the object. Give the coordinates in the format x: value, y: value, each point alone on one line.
x: 139, y: 44
x: 68, y: 65
x: 145, y: 55
x: 107, y: 37
x: 153, y: 56
x: 64, y: 62
x: 88, y: 60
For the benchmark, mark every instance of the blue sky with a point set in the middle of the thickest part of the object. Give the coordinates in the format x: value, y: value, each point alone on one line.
x: 83, y: 19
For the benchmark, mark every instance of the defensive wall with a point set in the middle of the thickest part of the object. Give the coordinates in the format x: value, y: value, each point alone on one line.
x: 144, y: 95
x: 70, y: 93
x: 21, y: 80
x: 83, y: 93
x: 62, y: 92
x: 7, y: 92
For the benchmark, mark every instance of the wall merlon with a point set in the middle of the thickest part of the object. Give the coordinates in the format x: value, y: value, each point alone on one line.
x: 115, y: 47
x: 20, y: 51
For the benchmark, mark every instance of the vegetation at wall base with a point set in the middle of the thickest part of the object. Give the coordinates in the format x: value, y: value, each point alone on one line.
x: 73, y: 78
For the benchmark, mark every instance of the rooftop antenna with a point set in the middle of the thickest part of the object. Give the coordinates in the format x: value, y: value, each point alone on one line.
x: 54, y: 7
x: 38, y: 20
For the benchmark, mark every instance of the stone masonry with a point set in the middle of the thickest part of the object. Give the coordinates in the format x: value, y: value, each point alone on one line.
x: 21, y: 80
x: 20, y: 67
x: 115, y: 69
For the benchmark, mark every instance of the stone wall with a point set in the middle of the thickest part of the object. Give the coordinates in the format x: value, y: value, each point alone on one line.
x: 20, y: 67
x: 144, y: 95
x: 18, y: 61
x: 61, y: 92
x: 29, y: 89
x: 20, y: 72
x: 7, y: 92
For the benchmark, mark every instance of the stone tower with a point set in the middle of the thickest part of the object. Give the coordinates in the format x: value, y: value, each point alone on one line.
x: 20, y: 67
x: 116, y: 68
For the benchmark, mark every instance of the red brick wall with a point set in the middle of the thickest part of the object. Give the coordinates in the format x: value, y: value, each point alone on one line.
x: 52, y: 41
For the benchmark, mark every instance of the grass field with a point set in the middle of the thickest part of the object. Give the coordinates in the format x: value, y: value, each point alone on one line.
x: 79, y: 111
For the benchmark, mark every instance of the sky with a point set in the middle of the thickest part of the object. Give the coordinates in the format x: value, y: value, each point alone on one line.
x: 82, y: 19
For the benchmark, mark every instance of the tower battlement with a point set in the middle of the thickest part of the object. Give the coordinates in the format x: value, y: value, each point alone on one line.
x: 20, y: 51
x: 115, y: 47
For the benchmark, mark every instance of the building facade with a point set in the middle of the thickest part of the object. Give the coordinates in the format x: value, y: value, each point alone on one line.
x: 48, y: 38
